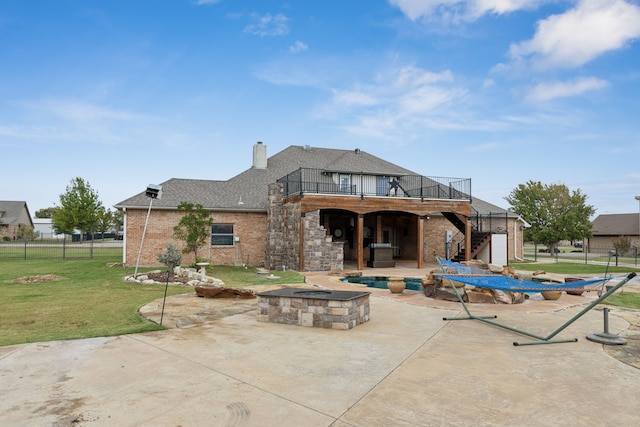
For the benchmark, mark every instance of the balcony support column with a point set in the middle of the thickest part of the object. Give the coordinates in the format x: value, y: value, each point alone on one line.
x: 420, y: 241
x: 359, y: 242
x: 467, y: 240
x: 301, y: 243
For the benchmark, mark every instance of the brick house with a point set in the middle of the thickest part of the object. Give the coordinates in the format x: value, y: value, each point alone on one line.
x: 14, y: 215
x: 607, y: 228
x: 315, y: 209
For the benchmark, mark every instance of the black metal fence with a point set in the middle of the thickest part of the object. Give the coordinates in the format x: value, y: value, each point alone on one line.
x: 318, y: 181
x: 585, y: 255
x: 60, y: 249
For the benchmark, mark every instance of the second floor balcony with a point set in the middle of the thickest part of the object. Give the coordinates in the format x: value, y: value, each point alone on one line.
x: 318, y: 181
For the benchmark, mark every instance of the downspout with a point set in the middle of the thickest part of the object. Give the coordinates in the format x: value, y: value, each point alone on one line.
x: 515, y: 240
x: 525, y: 224
x: 124, y: 236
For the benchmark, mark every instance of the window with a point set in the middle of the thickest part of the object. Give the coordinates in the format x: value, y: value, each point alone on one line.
x: 222, y: 235
x: 345, y: 184
x: 382, y: 188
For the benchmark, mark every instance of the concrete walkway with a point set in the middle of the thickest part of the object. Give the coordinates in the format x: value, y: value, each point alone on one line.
x: 405, y: 367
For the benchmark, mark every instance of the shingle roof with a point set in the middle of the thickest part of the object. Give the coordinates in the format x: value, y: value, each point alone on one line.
x: 10, y: 211
x: 248, y: 190
x: 616, y: 225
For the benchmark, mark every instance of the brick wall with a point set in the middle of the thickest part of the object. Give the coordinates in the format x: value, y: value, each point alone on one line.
x: 249, y: 227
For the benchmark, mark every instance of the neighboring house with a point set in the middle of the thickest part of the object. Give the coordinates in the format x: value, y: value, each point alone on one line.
x: 13, y: 217
x: 609, y: 227
x: 44, y: 226
x: 314, y: 209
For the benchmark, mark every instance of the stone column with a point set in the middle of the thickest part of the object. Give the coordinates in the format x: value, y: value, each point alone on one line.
x: 359, y: 240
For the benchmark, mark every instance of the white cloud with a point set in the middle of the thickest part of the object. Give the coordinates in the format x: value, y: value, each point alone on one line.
x: 552, y: 90
x: 488, y: 146
x: 298, y: 47
x: 580, y: 35
x: 78, y: 111
x: 399, y: 103
x: 205, y: 2
x: 55, y: 119
x: 461, y: 9
x: 416, y: 9
x: 268, y: 25
x: 478, y: 8
x: 488, y: 83
x: 354, y: 98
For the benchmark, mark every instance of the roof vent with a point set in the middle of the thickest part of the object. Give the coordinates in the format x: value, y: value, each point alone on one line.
x: 307, y: 148
x: 259, y: 155
x: 357, y: 150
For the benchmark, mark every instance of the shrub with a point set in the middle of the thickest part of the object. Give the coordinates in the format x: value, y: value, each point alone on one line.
x: 171, y: 257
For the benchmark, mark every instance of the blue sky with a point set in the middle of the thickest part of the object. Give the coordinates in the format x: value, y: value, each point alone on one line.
x: 126, y: 93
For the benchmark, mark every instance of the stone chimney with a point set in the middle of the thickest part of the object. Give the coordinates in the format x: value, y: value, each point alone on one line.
x: 259, y: 155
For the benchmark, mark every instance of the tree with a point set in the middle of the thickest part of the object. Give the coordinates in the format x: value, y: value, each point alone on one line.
x: 28, y: 234
x: 171, y: 257
x: 106, y: 221
x: 622, y: 245
x: 45, y: 212
x: 194, y: 228
x: 553, y: 211
x: 79, y: 209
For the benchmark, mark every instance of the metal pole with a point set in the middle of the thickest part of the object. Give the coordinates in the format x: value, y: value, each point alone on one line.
x: 638, y: 245
x: 144, y: 231
x: 577, y: 316
x: 166, y: 286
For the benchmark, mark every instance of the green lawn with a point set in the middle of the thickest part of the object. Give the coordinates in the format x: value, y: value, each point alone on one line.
x: 623, y: 299
x: 569, y: 268
x: 240, y: 276
x: 89, y: 299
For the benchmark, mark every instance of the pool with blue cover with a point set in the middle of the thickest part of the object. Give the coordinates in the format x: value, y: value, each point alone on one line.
x: 380, y: 282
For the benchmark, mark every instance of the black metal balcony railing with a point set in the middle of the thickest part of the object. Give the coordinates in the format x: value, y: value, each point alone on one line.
x: 318, y: 181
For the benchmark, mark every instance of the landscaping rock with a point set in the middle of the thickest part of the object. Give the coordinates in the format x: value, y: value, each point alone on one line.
x: 212, y: 291
x: 480, y: 297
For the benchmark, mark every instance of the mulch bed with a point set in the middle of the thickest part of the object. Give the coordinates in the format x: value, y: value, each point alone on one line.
x: 162, y: 277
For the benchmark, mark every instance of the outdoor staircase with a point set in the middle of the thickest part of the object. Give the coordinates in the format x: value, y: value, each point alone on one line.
x: 478, y: 241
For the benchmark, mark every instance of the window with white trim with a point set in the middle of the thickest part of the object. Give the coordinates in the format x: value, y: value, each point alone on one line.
x: 222, y: 235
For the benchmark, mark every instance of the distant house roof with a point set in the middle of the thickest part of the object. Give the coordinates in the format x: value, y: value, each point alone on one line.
x: 14, y: 212
x: 616, y: 225
x: 248, y: 190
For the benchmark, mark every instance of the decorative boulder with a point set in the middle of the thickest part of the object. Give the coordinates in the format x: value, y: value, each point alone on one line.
x: 209, y: 291
x: 480, y: 296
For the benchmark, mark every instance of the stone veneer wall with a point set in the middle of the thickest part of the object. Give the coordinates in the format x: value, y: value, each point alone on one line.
x: 321, y: 253
x: 283, y: 225
x: 318, y: 313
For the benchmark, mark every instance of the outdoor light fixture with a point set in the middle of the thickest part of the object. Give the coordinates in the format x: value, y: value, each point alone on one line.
x: 153, y: 191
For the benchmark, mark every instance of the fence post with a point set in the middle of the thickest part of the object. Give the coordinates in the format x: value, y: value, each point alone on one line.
x: 25, y: 249
x: 64, y: 247
x: 586, y: 253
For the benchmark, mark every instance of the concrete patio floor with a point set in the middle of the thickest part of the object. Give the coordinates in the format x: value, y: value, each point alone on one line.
x: 218, y: 366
